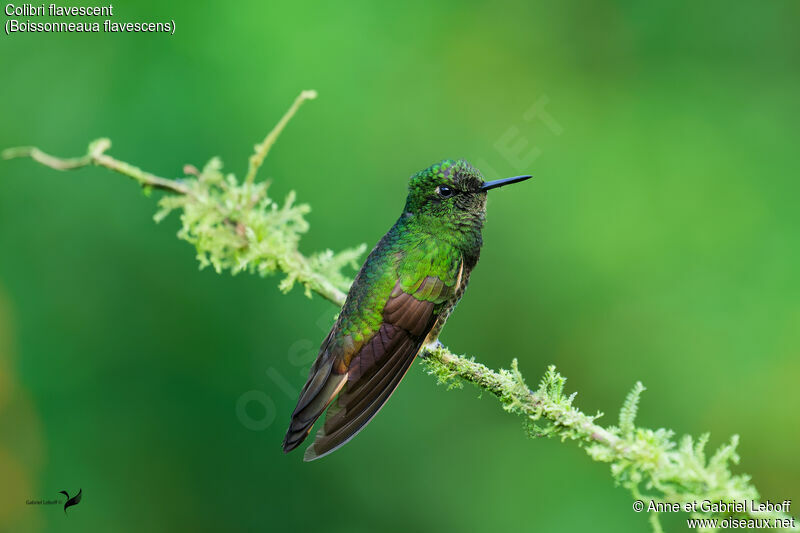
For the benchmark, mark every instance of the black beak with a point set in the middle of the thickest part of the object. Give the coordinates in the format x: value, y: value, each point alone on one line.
x: 505, y: 181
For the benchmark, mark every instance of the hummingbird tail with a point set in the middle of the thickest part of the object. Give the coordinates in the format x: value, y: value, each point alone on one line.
x: 322, y: 386
x: 360, y: 401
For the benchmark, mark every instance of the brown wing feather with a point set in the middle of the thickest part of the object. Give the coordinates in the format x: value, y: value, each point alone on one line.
x: 380, y: 364
x: 323, y: 384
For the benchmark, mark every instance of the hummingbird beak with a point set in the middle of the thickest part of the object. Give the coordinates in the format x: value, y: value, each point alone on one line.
x: 505, y: 181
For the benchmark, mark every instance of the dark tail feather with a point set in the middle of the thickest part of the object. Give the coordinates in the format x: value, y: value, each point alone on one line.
x: 355, y: 408
x: 320, y: 390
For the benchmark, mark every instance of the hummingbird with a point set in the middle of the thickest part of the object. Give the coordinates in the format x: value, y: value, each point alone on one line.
x: 397, y: 304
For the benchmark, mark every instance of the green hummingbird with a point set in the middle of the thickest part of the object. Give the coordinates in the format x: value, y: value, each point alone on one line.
x: 398, y: 303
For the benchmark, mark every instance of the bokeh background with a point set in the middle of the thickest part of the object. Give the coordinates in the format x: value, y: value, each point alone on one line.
x: 658, y: 242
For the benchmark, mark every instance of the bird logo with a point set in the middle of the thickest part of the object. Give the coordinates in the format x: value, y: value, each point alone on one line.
x: 75, y: 500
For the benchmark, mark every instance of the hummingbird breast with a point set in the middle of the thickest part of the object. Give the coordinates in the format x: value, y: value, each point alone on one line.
x: 447, y: 308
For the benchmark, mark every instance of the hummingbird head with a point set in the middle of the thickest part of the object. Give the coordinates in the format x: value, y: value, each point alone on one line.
x: 452, y: 190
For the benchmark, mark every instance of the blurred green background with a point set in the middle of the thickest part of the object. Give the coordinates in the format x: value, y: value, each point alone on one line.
x: 658, y: 242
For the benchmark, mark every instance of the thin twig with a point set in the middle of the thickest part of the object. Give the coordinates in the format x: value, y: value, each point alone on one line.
x: 46, y: 159
x: 262, y: 149
x: 96, y: 156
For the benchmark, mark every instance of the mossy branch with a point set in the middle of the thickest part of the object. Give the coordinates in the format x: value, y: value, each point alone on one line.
x: 235, y: 226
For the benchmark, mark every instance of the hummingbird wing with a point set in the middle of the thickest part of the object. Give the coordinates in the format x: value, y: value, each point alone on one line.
x: 365, y: 373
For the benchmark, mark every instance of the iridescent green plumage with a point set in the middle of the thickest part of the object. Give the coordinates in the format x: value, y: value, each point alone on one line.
x: 398, y: 302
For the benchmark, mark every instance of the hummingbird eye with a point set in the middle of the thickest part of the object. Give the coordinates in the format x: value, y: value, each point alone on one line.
x: 444, y: 191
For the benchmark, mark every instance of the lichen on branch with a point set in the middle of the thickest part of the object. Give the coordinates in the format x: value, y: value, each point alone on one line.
x: 235, y: 226
x: 649, y: 463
